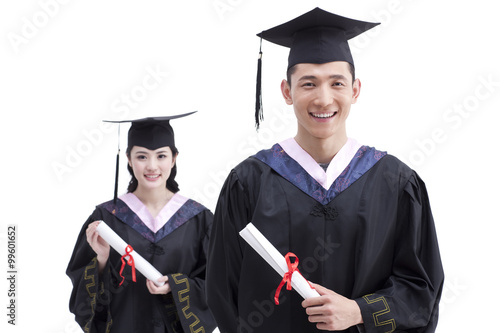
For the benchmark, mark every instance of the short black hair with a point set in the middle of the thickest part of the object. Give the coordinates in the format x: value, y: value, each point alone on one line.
x: 292, y: 69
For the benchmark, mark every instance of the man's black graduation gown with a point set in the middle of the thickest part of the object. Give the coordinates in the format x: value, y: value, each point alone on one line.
x: 370, y: 237
x: 177, y: 250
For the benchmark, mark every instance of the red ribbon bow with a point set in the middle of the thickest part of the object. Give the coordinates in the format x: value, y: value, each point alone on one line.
x: 287, y: 278
x: 130, y: 262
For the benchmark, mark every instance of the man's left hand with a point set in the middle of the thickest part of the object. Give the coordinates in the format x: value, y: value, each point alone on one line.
x: 331, y: 311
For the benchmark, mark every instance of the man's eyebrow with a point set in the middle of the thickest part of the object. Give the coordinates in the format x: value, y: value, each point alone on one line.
x: 333, y: 76
x: 338, y: 76
x: 307, y: 77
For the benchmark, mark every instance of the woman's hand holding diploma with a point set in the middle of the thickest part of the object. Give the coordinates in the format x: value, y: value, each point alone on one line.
x: 98, y: 244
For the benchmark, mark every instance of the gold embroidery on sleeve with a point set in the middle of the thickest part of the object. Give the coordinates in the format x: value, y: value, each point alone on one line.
x: 184, y: 297
x: 382, y: 312
x: 93, y: 296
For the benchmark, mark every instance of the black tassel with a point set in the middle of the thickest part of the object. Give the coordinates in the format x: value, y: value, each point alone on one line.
x: 116, y: 176
x: 259, y: 112
x: 117, y: 168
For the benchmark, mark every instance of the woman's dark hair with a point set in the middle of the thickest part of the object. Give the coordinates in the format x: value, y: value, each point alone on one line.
x: 171, y: 183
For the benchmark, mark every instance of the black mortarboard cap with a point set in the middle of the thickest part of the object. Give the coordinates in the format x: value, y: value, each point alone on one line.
x: 151, y: 133
x: 316, y: 37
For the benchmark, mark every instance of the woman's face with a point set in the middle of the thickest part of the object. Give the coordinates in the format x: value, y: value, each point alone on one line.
x: 151, y: 167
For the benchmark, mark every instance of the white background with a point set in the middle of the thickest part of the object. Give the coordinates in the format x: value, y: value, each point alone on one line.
x: 67, y: 65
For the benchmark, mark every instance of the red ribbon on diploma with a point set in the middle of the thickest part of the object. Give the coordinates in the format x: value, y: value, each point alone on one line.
x: 287, y: 278
x: 130, y: 262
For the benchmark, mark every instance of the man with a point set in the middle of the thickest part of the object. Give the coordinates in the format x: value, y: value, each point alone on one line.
x: 357, y: 219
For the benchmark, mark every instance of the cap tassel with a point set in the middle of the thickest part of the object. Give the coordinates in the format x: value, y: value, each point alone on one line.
x: 117, y: 168
x: 116, y: 176
x: 259, y: 112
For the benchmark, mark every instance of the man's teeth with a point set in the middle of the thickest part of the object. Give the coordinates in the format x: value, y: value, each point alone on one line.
x: 323, y: 115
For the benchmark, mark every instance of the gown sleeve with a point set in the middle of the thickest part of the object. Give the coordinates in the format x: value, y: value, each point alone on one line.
x: 225, y: 254
x: 188, y: 291
x: 89, y: 298
x: 409, y: 298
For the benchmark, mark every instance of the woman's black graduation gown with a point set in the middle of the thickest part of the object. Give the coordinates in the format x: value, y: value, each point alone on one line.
x: 370, y: 237
x: 177, y: 250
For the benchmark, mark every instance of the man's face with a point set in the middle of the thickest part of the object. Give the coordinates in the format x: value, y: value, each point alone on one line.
x: 321, y: 95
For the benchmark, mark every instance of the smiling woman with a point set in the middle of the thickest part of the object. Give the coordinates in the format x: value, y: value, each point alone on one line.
x: 149, y: 162
x: 167, y: 229
x: 152, y: 175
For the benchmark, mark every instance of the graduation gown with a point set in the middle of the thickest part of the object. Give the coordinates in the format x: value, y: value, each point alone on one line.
x: 363, y: 229
x: 177, y: 249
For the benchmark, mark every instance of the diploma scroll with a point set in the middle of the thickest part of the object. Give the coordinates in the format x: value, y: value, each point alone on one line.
x: 117, y: 243
x: 276, y: 260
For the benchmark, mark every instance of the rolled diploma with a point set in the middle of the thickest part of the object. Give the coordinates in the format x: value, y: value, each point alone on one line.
x: 117, y: 243
x: 275, y: 259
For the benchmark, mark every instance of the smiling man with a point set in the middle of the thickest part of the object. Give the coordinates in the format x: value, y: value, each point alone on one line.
x: 322, y: 95
x: 357, y: 219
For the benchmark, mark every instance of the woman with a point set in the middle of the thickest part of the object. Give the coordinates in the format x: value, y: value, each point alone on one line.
x: 168, y: 230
